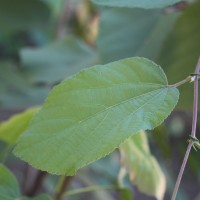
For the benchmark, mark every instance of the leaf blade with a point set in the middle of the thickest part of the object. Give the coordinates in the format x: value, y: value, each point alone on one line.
x: 9, y: 188
x: 90, y: 114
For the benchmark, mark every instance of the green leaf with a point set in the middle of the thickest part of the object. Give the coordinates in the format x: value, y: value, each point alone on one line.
x: 90, y: 114
x: 181, y: 52
x: 56, y: 61
x: 161, y: 137
x: 9, y: 188
x: 11, y: 129
x: 16, y: 91
x: 117, y: 39
x: 142, y: 167
x: 136, y: 3
x: 23, y: 14
x: 126, y: 194
x: 55, y: 6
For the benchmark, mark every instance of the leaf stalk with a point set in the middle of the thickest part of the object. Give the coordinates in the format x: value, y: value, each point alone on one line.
x: 188, y: 79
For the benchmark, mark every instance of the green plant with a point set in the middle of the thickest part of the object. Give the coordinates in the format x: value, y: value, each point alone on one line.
x: 107, y: 106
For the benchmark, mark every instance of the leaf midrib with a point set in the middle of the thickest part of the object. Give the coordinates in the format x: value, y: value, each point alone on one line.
x: 108, y: 108
x: 115, y: 105
x: 78, y: 158
x: 117, y: 84
x: 55, y: 135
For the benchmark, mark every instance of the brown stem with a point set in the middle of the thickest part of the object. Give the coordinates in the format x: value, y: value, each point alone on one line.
x: 62, y: 188
x: 193, y: 134
x: 24, y: 183
x: 37, y: 184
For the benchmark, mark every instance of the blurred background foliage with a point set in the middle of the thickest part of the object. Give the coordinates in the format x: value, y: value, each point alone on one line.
x: 42, y: 42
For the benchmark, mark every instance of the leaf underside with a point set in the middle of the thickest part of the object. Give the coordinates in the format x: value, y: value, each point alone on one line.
x: 90, y: 114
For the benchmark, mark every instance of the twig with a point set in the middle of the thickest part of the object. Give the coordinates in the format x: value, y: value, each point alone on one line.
x: 37, y: 184
x: 91, y: 189
x: 62, y: 186
x: 193, y: 134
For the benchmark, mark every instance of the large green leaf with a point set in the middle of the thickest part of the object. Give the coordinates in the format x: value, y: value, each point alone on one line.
x: 142, y: 167
x: 9, y: 188
x: 136, y: 3
x: 181, y: 52
x: 58, y: 60
x: 11, y: 129
x: 93, y: 112
x: 23, y: 14
x: 133, y: 32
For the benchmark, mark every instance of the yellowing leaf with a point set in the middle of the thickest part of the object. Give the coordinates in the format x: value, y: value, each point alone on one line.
x: 11, y: 129
x: 143, y: 169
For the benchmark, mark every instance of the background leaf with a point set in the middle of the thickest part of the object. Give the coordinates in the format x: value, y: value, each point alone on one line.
x: 126, y: 194
x: 16, y: 91
x: 56, y: 61
x: 11, y: 129
x: 54, y: 5
x: 93, y: 112
x: 9, y: 188
x: 181, y: 52
x: 133, y: 32
x: 142, y: 167
x: 136, y: 3
x: 22, y: 14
